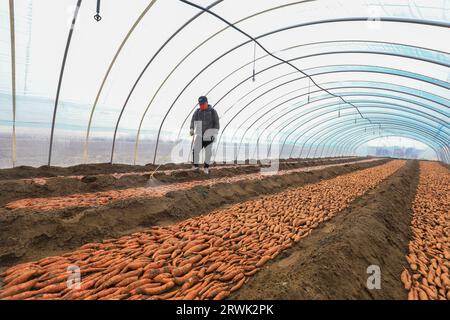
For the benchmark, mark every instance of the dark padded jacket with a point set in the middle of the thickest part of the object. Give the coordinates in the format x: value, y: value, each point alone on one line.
x: 208, y: 117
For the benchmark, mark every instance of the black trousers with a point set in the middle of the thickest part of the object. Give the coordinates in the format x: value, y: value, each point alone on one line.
x: 198, y: 146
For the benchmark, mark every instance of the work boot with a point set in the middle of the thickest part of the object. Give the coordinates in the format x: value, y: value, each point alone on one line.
x: 195, y: 168
x: 206, y: 170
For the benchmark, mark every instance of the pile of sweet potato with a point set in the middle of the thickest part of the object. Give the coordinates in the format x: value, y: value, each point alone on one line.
x: 206, y: 257
x: 427, y: 277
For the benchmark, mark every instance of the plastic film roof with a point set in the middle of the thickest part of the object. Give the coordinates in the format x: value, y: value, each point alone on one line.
x: 123, y: 89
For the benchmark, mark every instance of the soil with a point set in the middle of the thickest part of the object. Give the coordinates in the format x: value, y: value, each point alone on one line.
x: 27, y: 172
x: 58, y: 183
x: 332, y: 262
x: 26, y: 235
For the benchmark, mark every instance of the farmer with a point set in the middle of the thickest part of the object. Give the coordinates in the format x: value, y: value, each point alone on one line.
x: 204, y: 128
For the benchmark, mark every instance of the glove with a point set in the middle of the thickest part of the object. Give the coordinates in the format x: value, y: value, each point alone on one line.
x: 191, y: 132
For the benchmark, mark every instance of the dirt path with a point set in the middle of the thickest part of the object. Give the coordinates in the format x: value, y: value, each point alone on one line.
x: 27, y: 235
x: 332, y: 263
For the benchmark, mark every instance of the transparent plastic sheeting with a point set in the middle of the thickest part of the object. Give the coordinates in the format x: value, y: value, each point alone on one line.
x: 136, y: 75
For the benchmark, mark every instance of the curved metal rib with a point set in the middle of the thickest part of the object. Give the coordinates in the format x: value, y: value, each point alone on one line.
x: 61, y: 75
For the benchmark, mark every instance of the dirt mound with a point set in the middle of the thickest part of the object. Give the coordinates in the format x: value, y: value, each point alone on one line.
x: 59, y: 184
x: 26, y: 235
x: 332, y: 263
x: 26, y: 172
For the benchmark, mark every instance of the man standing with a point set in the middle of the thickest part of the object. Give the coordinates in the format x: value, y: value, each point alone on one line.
x: 205, y: 126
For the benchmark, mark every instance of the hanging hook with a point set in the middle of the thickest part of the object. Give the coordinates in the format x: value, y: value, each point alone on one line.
x: 97, y: 16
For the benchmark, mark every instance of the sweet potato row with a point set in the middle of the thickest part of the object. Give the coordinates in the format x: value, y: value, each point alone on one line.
x: 206, y: 257
x: 103, y: 198
x: 427, y: 276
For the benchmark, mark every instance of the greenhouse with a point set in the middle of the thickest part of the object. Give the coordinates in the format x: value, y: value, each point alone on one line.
x: 102, y: 122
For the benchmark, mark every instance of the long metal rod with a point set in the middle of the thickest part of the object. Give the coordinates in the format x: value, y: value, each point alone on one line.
x: 13, y: 77
x: 61, y: 75
x: 136, y: 144
x: 108, y: 71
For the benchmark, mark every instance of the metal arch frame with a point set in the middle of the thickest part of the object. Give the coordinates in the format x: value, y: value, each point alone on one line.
x: 405, y: 93
x: 321, y: 139
x: 348, y: 87
x: 322, y: 122
x: 294, y: 59
x: 422, y: 133
x: 402, y: 107
x: 431, y: 134
x: 390, y: 106
x: 171, y: 37
x: 440, y: 154
x: 195, y: 49
x: 364, y: 138
x: 353, y: 135
x: 343, y: 87
x: 292, y: 81
x: 335, y: 71
x: 324, y: 146
x: 12, y: 33
x: 356, y: 136
x: 145, y: 69
x: 394, y: 20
